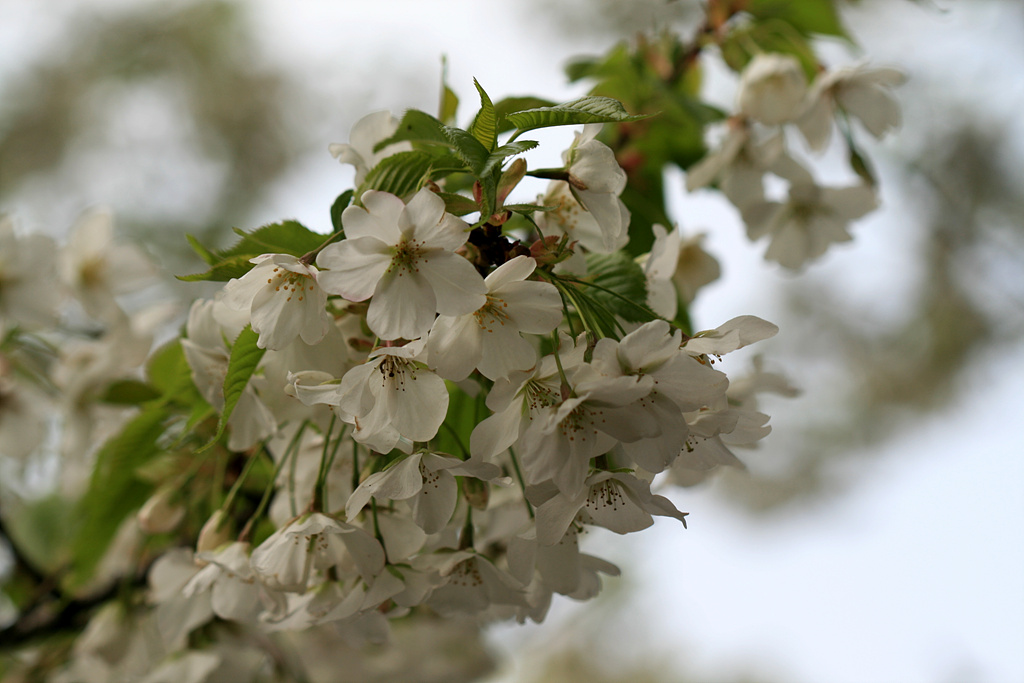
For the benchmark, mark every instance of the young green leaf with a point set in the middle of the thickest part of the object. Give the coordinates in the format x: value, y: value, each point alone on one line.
x: 509, y: 105
x: 499, y: 155
x: 114, y: 490
x: 400, y: 174
x: 485, y: 125
x: 416, y: 126
x: 245, y: 356
x: 591, y: 109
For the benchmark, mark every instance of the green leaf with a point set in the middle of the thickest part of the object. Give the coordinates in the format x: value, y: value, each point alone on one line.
x: 591, y: 109
x: 168, y: 371
x: 620, y: 285
x: 41, y: 530
x: 468, y: 148
x: 499, y: 155
x: 287, y: 237
x: 527, y: 208
x: 459, y: 422
x: 338, y: 207
x: 771, y: 35
x: 245, y: 356
x: 114, y: 490
x: 400, y: 174
x: 225, y: 270
x: 458, y: 204
x: 806, y: 16
x: 449, y: 100
x: 129, y: 392
x: 509, y: 105
x: 208, y: 256
x: 416, y: 126
x: 485, y: 125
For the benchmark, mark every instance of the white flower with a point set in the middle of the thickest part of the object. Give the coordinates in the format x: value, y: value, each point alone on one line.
x: 675, y: 270
x: 283, y: 299
x: 861, y: 91
x: 562, y: 438
x: 473, y: 585
x: 391, y: 399
x: 403, y: 256
x: 518, y: 398
x: 679, y: 384
x: 210, y: 324
x: 729, y: 336
x: 427, y: 481
x: 772, y: 89
x: 97, y: 267
x: 739, y: 164
x: 364, y: 136
x: 588, y: 206
x: 616, y: 501
x: 230, y: 583
x: 28, y: 267
x: 802, y: 228
x: 287, y: 559
x: 490, y: 338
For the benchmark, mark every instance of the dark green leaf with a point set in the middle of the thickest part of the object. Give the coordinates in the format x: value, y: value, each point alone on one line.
x: 41, y: 530
x: 339, y: 205
x: 485, y: 125
x: 620, y: 285
x: 129, y: 392
x: 168, y: 371
x: 591, y: 109
x: 527, y: 208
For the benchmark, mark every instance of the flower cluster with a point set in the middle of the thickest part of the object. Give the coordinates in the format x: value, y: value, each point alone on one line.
x: 419, y: 418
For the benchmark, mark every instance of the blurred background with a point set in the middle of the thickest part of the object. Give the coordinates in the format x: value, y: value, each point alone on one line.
x: 878, y: 534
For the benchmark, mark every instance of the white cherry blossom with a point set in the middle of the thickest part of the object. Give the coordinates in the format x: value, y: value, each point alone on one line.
x: 490, y: 338
x: 364, y: 136
x: 403, y: 256
x: 427, y: 481
x: 283, y: 299
x: 772, y: 89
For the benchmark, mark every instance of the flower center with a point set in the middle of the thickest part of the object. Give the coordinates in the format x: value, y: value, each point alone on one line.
x: 292, y: 283
x: 491, y: 313
x: 406, y: 256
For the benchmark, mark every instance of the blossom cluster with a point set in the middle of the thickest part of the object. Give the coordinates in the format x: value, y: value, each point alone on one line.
x: 420, y: 417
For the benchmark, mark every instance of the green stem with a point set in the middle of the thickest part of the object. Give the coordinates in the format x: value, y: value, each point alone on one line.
x: 261, y: 508
x: 318, y: 486
x: 242, y: 477
x: 522, y: 482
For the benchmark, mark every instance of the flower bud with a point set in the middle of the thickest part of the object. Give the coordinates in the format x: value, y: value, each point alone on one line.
x: 215, y: 533
x: 161, y: 514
